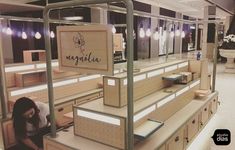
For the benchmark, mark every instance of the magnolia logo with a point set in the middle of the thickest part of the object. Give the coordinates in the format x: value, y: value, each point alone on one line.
x: 79, y: 42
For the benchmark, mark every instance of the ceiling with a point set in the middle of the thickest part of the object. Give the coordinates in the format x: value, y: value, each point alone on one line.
x: 193, y: 8
x: 17, y: 6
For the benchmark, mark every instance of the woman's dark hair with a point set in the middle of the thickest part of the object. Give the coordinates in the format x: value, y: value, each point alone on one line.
x: 19, y: 122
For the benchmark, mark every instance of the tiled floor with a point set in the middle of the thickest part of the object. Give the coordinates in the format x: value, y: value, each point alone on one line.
x: 225, y: 116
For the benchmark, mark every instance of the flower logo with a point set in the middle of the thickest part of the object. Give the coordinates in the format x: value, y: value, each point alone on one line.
x: 79, y: 42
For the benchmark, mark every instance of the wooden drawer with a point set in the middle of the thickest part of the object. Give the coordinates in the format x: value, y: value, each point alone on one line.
x: 49, y: 145
x: 63, y: 109
x: 204, y: 115
x: 177, y: 141
x: 8, y: 133
x: 192, y: 128
x: 214, y: 105
x: 87, y: 98
x: 162, y: 147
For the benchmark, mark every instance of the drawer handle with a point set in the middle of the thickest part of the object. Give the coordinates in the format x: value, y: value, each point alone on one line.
x: 214, y: 100
x: 201, y: 123
x: 60, y: 109
x: 187, y: 140
x: 211, y: 112
x: 177, y: 139
x: 193, y: 122
x: 205, y: 109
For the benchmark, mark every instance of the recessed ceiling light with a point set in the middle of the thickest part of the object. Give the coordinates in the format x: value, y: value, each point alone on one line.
x: 73, y: 18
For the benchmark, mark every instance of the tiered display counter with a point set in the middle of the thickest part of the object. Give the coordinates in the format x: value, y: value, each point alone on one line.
x: 166, y: 115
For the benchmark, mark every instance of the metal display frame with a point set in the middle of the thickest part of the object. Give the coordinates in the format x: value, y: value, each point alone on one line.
x: 129, y: 22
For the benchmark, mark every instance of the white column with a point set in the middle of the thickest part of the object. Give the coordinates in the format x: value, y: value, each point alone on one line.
x: 6, y: 44
x: 98, y: 16
x: 178, y: 39
x: 207, y: 48
x: 154, y: 50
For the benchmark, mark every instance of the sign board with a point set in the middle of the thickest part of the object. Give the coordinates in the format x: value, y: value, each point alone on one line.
x: 85, y: 49
x: 118, y: 42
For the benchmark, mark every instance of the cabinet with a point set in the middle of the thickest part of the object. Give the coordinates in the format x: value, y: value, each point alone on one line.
x: 204, y: 115
x: 28, y: 55
x: 177, y: 141
x: 192, y: 128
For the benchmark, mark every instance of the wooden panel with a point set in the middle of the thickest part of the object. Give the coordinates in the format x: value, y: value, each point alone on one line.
x: 204, y: 115
x: 111, y: 91
x: 27, y: 54
x: 8, y: 133
x: 1, y: 137
x: 195, y: 66
x: 117, y: 97
x: 204, y: 75
x: 87, y: 98
x: 85, y: 49
x: 162, y: 147
x: 192, y: 127
x: 63, y: 109
x: 10, y: 79
x: 49, y: 145
x: 109, y: 134
x: 214, y: 106
x: 177, y: 141
x: 30, y: 78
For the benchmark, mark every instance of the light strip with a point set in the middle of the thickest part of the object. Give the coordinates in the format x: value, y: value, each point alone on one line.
x: 116, y: 71
x: 155, y: 73
x: 43, y: 65
x: 99, y: 117
x: 182, y: 65
x: 144, y: 113
x: 139, y: 77
x: 28, y: 90
x: 125, y: 82
x: 111, y: 82
x: 89, y: 77
x: 167, y: 69
x: 35, y: 71
x: 194, y: 84
x: 166, y: 100
x: 66, y: 82
x: 182, y: 91
x: 55, y: 64
x: 19, y: 68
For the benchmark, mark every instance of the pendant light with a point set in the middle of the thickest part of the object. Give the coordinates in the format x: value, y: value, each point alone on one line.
x: 148, y: 32
x: 177, y: 32
x: 172, y: 34
x: 114, y: 30
x: 141, y: 32
x: 38, y: 35
x: 156, y: 34
x: 52, y: 34
x: 23, y: 34
x: 182, y: 34
x: 8, y: 30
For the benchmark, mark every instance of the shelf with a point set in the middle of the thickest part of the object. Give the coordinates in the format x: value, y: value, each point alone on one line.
x: 147, y: 128
x: 174, y: 123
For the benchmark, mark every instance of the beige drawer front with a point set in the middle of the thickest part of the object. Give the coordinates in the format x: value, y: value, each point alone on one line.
x: 63, y: 109
x: 162, y: 147
x: 177, y: 141
x: 214, y: 105
x: 192, y: 128
x: 49, y: 145
x: 204, y: 115
x: 87, y: 98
